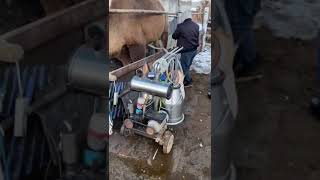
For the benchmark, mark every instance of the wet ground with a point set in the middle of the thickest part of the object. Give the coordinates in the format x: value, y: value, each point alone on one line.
x: 131, y: 158
x: 275, y: 136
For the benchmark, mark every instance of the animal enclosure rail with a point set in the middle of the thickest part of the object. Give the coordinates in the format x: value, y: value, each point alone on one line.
x: 138, y: 11
x: 114, y: 75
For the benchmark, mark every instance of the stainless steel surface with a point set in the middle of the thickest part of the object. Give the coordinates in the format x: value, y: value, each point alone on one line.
x: 88, y: 71
x: 152, y: 87
x: 174, y: 107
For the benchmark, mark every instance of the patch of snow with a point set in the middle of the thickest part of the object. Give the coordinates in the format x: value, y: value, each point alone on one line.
x: 290, y: 18
x: 193, y: 9
x: 200, y: 27
x: 202, y: 62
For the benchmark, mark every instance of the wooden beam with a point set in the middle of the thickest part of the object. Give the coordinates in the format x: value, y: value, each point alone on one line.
x: 114, y: 75
x: 34, y: 34
x: 138, y: 11
x: 205, y: 26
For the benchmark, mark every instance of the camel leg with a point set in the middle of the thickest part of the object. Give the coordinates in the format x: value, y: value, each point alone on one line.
x: 164, y: 39
x: 124, y: 56
x: 137, y: 52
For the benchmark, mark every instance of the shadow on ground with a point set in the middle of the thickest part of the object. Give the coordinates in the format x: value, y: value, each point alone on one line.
x: 275, y: 136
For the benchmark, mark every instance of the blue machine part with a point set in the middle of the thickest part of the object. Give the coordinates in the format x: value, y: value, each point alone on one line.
x: 94, y: 158
x: 163, y: 77
x: 33, y: 78
x: 116, y: 111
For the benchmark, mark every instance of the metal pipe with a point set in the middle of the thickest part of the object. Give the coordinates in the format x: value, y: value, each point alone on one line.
x: 138, y: 11
x: 152, y: 87
x: 88, y: 71
x: 142, y: 133
x: 48, y: 98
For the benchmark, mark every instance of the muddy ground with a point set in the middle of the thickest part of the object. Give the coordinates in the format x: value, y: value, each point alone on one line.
x: 275, y: 136
x: 131, y: 158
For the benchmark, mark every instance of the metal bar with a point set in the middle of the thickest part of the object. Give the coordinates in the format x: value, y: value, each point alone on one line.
x: 48, y: 98
x: 138, y: 11
x: 34, y: 34
x: 142, y: 133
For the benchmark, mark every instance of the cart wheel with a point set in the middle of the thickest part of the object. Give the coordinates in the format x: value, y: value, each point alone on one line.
x: 168, y: 138
x: 125, y: 131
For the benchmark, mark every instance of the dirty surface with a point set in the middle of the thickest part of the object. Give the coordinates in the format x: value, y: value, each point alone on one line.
x: 131, y: 158
x: 275, y: 136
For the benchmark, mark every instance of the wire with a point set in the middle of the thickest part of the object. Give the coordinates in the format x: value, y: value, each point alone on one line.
x: 51, y: 141
x: 19, y: 79
x: 3, y: 154
x: 47, y: 170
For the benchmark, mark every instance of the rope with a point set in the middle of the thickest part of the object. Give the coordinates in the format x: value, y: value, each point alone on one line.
x: 158, y: 48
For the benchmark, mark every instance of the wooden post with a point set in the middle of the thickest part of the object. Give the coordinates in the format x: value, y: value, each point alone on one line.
x: 205, y: 26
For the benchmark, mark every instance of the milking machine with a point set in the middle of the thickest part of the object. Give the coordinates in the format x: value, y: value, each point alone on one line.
x: 152, y: 100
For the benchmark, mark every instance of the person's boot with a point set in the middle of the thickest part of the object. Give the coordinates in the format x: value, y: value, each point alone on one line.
x: 187, y: 84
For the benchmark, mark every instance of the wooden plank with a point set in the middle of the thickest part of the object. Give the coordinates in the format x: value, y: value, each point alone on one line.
x: 34, y: 34
x: 138, y: 11
x: 52, y: 6
x: 114, y: 75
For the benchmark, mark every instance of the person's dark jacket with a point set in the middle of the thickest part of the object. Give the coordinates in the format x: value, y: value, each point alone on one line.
x: 187, y: 34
